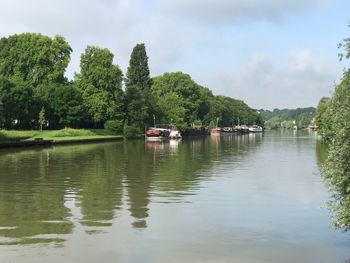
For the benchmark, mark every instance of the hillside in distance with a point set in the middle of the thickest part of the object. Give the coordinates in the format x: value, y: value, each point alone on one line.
x: 287, y: 118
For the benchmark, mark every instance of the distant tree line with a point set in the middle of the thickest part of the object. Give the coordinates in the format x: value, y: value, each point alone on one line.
x: 34, y: 91
x: 333, y: 121
x: 288, y: 118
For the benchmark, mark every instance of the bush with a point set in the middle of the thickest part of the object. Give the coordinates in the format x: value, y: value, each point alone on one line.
x: 68, y: 132
x: 114, y: 125
x: 2, y: 135
x: 131, y: 131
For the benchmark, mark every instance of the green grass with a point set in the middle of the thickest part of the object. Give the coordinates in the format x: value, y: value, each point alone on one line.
x: 58, y: 135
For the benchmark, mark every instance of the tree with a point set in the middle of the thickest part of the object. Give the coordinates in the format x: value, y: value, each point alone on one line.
x: 100, y: 83
x: 195, y: 99
x: 2, y: 117
x: 41, y: 119
x: 323, y: 118
x: 302, y: 116
x: 30, y: 62
x: 20, y: 108
x: 273, y: 123
x: 337, y: 167
x: 67, y: 104
x: 230, y: 112
x: 138, y: 70
x: 139, y: 102
x: 172, y: 110
x: 34, y: 58
x: 345, y: 45
x: 333, y: 116
x: 136, y: 107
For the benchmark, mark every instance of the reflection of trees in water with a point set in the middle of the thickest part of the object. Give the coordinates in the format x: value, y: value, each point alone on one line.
x: 100, y: 186
x: 36, y: 185
x: 335, y: 166
x: 138, y: 173
x: 321, y: 152
x: 177, y: 174
x: 31, y: 209
x: 40, y: 189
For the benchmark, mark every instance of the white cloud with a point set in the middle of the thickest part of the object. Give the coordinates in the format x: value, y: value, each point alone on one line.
x: 228, y: 11
x: 299, y: 79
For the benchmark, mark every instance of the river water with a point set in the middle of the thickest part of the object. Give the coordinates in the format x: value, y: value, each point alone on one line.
x: 247, y: 199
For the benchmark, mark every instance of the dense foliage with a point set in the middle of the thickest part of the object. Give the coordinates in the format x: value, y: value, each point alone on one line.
x: 183, y: 102
x: 35, y: 94
x: 29, y: 65
x: 288, y: 118
x: 333, y: 119
x: 100, y: 84
x: 335, y: 123
x: 179, y: 99
x: 139, y: 105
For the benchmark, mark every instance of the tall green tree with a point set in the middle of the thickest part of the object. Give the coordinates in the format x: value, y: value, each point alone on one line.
x: 29, y: 61
x: 100, y: 83
x: 139, y: 103
x: 138, y: 70
x: 34, y: 58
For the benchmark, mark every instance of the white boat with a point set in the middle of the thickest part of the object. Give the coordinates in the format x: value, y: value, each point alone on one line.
x: 174, y: 134
x: 255, y: 128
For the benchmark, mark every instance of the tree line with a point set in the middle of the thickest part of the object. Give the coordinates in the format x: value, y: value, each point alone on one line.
x: 34, y: 90
x: 333, y: 121
x: 288, y: 118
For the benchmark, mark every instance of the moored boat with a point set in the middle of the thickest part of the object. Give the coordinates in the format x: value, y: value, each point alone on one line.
x: 255, y: 128
x: 157, y: 134
x: 174, y: 134
x: 162, y: 132
x: 228, y: 131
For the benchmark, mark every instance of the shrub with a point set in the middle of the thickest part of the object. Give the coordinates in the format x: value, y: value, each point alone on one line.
x: 68, y: 132
x: 114, y: 125
x: 131, y: 131
x: 2, y: 135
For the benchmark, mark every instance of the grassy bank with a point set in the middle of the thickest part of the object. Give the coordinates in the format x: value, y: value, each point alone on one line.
x: 66, y: 134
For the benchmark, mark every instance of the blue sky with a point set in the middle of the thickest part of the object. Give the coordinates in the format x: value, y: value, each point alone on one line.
x: 269, y: 53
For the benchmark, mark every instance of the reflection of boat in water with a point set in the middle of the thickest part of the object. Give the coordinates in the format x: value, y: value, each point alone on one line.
x: 157, y: 145
x: 215, y: 132
x: 162, y: 132
x: 163, y: 146
x: 174, y: 143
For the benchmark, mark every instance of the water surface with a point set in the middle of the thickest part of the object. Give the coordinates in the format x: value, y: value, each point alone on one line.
x: 240, y: 199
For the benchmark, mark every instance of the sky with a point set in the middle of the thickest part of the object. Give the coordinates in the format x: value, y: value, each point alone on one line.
x: 269, y: 53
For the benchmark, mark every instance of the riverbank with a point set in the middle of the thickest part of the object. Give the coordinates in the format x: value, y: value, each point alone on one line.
x: 13, y: 138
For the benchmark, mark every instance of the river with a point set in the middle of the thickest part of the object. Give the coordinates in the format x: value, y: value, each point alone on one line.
x: 247, y: 199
